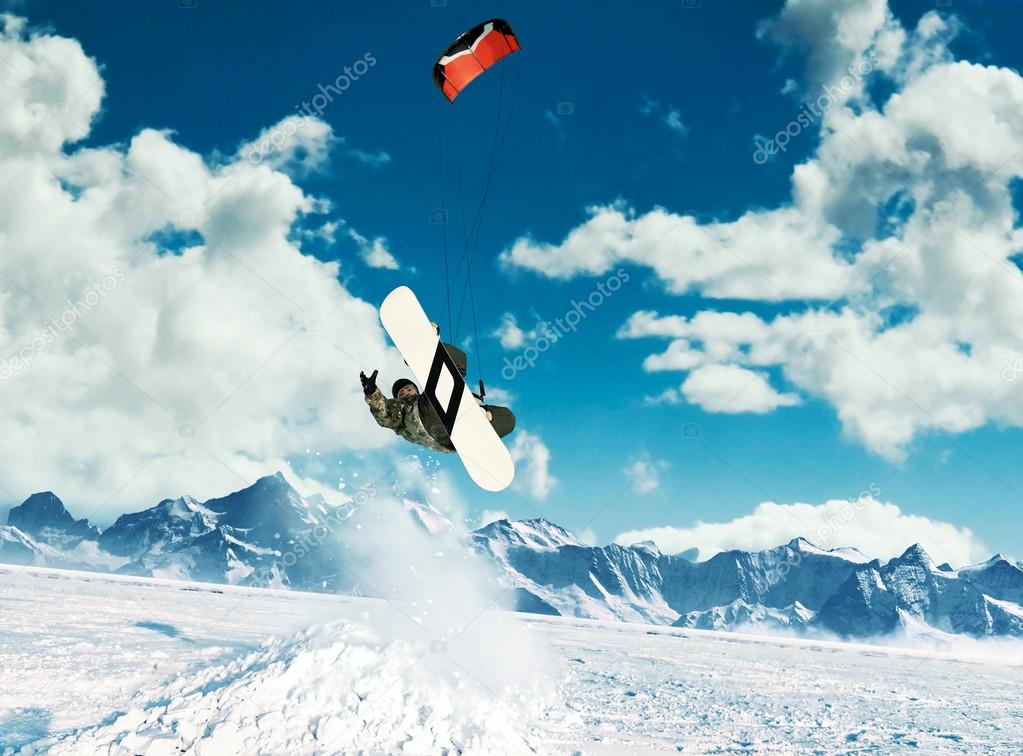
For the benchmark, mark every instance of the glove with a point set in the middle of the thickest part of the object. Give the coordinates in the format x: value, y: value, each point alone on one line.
x: 369, y: 385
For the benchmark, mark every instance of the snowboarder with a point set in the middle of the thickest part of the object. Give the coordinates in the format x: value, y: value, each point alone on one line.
x: 444, y: 416
x: 413, y: 417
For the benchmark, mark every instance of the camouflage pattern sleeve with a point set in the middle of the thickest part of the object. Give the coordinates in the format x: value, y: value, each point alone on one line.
x: 386, y: 412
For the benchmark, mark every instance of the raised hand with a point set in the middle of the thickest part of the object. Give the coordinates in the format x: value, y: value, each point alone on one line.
x: 369, y: 385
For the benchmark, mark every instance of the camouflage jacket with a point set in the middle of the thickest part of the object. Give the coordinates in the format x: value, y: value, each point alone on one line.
x: 406, y: 419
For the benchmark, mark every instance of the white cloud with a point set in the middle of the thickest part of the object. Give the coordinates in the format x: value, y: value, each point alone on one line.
x: 899, y: 230
x: 326, y: 232
x: 509, y: 333
x: 488, y: 516
x: 532, y: 461
x: 649, y: 323
x: 878, y: 529
x: 644, y: 474
x: 669, y: 115
x: 370, y: 158
x: 51, y: 89
x: 736, y: 260
x: 669, y: 396
x: 513, y: 336
x: 680, y: 355
x: 204, y: 363
x: 835, y: 36
x: 374, y: 253
x: 296, y: 145
x: 674, y: 122
x: 732, y: 389
x: 498, y: 395
x: 588, y: 536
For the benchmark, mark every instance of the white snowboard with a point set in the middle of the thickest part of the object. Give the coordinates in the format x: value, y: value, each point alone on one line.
x: 485, y: 458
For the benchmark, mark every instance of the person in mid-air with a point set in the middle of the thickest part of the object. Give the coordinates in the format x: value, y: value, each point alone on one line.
x: 413, y: 417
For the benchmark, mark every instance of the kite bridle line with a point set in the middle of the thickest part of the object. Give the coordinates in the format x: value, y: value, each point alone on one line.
x: 444, y: 211
x: 472, y: 236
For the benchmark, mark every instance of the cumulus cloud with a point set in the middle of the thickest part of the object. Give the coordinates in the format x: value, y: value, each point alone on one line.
x: 160, y: 329
x: 834, y: 36
x: 644, y: 474
x: 732, y: 389
x: 878, y: 529
x: 648, y: 323
x: 500, y: 395
x: 509, y: 333
x: 900, y: 230
x: 532, y: 462
x: 588, y: 536
x: 297, y: 145
x: 374, y: 253
x: 735, y: 260
x: 674, y: 121
x: 52, y: 91
x: 670, y: 116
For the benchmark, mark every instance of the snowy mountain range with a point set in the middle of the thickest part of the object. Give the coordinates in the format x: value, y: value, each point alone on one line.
x: 796, y: 586
x: 269, y: 535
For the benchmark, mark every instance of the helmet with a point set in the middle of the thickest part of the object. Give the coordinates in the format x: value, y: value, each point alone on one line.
x: 399, y: 385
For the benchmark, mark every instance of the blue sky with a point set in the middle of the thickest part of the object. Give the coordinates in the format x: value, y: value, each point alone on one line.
x: 626, y: 78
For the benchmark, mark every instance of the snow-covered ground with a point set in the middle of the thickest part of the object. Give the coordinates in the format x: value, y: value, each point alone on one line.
x: 93, y: 663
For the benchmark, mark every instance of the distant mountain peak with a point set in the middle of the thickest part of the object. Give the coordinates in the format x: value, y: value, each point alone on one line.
x: 917, y: 554
x: 44, y: 517
x: 42, y: 495
x: 537, y: 533
x: 546, y: 526
x: 43, y: 503
x: 648, y: 547
x: 805, y: 546
x: 276, y: 480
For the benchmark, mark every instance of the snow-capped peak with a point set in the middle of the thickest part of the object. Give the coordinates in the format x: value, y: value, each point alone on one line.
x: 916, y: 554
x: 647, y: 547
x: 186, y: 507
x: 11, y: 534
x: 537, y: 534
x: 44, y: 517
x: 849, y: 554
x: 992, y: 562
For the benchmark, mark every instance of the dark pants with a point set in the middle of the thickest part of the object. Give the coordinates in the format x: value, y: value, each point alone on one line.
x: 458, y: 357
x: 501, y: 418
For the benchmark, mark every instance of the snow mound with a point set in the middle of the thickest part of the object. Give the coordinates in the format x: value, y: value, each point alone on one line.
x: 334, y: 688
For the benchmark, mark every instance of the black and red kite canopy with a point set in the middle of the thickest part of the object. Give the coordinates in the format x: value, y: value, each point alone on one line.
x: 472, y: 54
